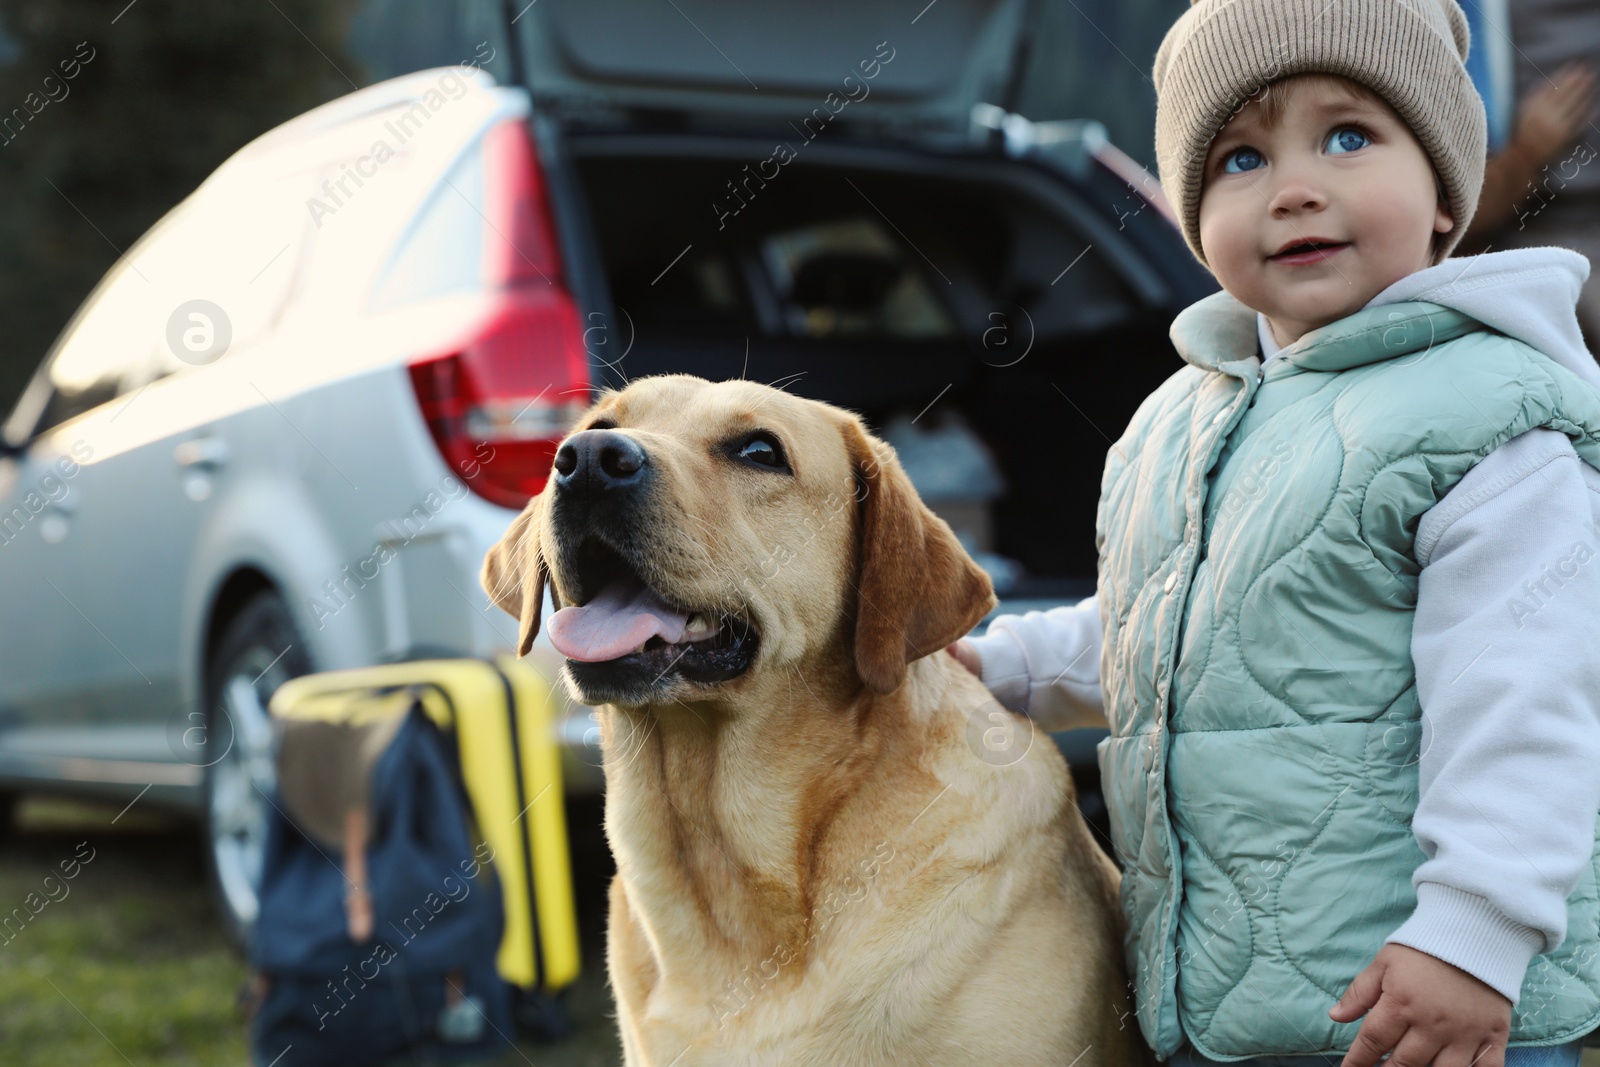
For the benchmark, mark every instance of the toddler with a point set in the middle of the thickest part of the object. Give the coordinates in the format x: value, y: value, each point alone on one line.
x: 1346, y: 634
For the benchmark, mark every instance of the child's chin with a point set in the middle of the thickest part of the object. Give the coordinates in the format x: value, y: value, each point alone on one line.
x: 1333, y: 301
x: 1312, y: 314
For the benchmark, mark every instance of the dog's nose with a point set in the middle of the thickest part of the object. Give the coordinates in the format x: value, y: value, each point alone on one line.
x: 598, y: 460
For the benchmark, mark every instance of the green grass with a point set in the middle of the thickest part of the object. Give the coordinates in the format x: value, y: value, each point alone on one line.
x: 131, y: 967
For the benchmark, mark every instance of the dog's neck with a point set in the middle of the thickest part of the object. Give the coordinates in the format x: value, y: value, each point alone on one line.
x: 716, y: 817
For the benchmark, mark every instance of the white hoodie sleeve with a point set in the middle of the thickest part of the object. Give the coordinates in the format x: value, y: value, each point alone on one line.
x: 1504, y: 639
x: 1046, y: 664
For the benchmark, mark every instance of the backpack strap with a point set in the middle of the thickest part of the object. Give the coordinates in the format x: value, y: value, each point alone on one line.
x: 357, y: 897
x: 325, y: 762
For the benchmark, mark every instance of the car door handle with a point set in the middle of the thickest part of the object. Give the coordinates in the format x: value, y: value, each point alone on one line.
x: 209, y: 452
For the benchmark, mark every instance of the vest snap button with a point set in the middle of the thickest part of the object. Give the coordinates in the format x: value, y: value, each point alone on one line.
x: 1172, y: 580
x: 1219, y: 416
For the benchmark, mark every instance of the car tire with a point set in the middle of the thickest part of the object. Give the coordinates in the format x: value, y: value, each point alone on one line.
x: 258, y: 651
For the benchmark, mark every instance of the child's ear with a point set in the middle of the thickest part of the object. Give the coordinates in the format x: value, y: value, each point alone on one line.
x: 1443, y: 219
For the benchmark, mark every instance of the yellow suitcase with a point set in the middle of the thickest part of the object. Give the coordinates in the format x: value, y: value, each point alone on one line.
x: 503, y: 716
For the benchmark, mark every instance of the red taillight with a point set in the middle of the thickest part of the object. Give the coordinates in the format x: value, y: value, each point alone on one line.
x: 499, y: 405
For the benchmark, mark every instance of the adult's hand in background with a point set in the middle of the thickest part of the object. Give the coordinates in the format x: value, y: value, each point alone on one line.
x: 1551, y: 122
x: 1553, y: 116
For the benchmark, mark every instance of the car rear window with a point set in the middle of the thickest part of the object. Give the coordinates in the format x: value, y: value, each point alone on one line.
x: 442, y: 251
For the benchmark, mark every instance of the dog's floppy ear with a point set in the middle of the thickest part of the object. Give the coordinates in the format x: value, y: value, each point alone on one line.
x: 514, y: 573
x: 917, y: 589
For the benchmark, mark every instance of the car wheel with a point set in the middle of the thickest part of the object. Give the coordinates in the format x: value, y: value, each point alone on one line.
x: 259, y: 650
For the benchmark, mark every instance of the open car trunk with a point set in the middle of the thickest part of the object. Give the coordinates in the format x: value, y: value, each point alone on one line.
x: 973, y: 310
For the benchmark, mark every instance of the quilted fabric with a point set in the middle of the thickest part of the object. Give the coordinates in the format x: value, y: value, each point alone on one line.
x: 1257, y: 584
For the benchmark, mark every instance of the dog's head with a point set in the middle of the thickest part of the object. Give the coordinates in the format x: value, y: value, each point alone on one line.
x: 696, y: 536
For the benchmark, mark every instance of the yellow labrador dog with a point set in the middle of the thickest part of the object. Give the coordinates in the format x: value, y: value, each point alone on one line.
x: 833, y: 847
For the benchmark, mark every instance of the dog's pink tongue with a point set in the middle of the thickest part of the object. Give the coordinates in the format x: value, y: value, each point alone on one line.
x: 623, y: 616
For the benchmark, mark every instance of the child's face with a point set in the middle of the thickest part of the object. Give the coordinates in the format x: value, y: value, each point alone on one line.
x: 1349, y: 171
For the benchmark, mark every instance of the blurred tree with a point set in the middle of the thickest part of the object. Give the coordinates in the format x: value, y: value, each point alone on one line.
x: 164, y: 91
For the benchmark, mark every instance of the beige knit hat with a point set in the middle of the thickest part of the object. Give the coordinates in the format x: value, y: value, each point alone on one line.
x: 1409, y: 52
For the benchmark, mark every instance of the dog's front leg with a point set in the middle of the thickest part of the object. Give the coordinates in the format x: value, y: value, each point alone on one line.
x: 632, y: 973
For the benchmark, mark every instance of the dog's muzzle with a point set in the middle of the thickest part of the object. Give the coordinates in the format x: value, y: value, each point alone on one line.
x: 623, y: 637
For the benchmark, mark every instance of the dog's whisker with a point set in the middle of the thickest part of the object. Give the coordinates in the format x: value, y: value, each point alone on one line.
x: 511, y: 579
x: 696, y: 714
x: 638, y: 743
x: 513, y: 573
x: 787, y: 379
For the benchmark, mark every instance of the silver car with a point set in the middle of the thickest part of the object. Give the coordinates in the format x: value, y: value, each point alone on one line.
x: 279, y: 437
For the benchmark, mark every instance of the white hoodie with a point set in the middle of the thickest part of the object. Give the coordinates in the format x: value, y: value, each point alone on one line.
x: 1505, y: 640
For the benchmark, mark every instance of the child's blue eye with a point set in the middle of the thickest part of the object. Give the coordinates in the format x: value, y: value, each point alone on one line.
x: 1247, y: 153
x: 1348, y: 139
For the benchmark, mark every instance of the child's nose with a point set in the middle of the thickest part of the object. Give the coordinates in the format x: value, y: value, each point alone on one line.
x: 1296, y: 192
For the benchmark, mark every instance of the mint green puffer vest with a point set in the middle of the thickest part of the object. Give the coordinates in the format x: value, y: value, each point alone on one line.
x: 1257, y: 584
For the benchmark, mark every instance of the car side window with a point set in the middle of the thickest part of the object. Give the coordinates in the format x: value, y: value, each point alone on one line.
x: 96, y: 361
x: 209, y: 279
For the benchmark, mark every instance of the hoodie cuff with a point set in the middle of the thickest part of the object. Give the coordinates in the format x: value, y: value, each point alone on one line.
x: 1465, y: 930
x: 1005, y: 669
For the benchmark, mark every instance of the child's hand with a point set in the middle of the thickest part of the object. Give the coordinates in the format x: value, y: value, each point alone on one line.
x: 1427, y: 1011
x: 967, y: 656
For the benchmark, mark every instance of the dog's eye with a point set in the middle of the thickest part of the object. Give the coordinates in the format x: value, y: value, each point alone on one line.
x: 763, y: 449
x: 601, y: 424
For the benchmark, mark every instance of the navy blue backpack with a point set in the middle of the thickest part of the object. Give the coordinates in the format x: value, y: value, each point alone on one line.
x: 422, y: 987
